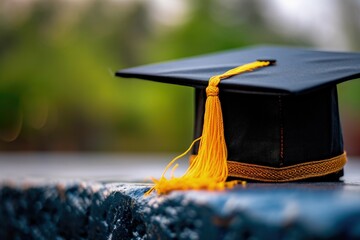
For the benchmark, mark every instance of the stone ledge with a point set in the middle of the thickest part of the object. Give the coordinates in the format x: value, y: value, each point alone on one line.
x: 90, y: 210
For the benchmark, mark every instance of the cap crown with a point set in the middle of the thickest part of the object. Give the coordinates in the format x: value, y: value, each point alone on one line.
x: 296, y: 71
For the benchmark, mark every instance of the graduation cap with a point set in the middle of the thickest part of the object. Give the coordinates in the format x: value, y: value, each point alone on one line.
x: 268, y: 114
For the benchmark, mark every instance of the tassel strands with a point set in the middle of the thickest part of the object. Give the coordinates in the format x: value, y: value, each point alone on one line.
x: 208, y: 170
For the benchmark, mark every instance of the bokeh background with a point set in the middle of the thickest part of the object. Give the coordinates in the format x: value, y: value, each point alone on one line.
x: 58, y: 57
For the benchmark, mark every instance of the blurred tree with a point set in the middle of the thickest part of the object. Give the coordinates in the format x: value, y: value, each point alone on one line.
x: 57, y: 62
x: 57, y: 89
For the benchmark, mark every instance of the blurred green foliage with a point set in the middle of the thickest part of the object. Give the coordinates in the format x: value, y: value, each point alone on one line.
x: 57, y: 63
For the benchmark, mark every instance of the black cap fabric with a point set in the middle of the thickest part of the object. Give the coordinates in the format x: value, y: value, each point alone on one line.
x: 289, y: 129
x: 296, y: 71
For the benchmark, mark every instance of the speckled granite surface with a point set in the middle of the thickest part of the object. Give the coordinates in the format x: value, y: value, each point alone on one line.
x: 77, y: 209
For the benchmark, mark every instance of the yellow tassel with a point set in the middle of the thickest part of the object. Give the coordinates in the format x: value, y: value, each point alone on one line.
x: 208, y: 170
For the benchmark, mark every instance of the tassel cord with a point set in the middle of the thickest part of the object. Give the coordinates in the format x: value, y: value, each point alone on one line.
x: 208, y: 170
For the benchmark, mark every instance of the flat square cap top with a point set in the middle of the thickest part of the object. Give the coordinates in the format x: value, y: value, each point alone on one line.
x: 296, y: 70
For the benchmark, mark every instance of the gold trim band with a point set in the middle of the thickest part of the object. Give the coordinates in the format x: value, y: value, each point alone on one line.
x: 286, y: 174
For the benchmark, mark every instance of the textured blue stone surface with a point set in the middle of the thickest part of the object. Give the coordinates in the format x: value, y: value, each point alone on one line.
x: 67, y: 209
x: 80, y: 210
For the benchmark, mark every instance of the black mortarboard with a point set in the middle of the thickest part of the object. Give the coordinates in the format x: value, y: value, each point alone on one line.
x: 280, y: 120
